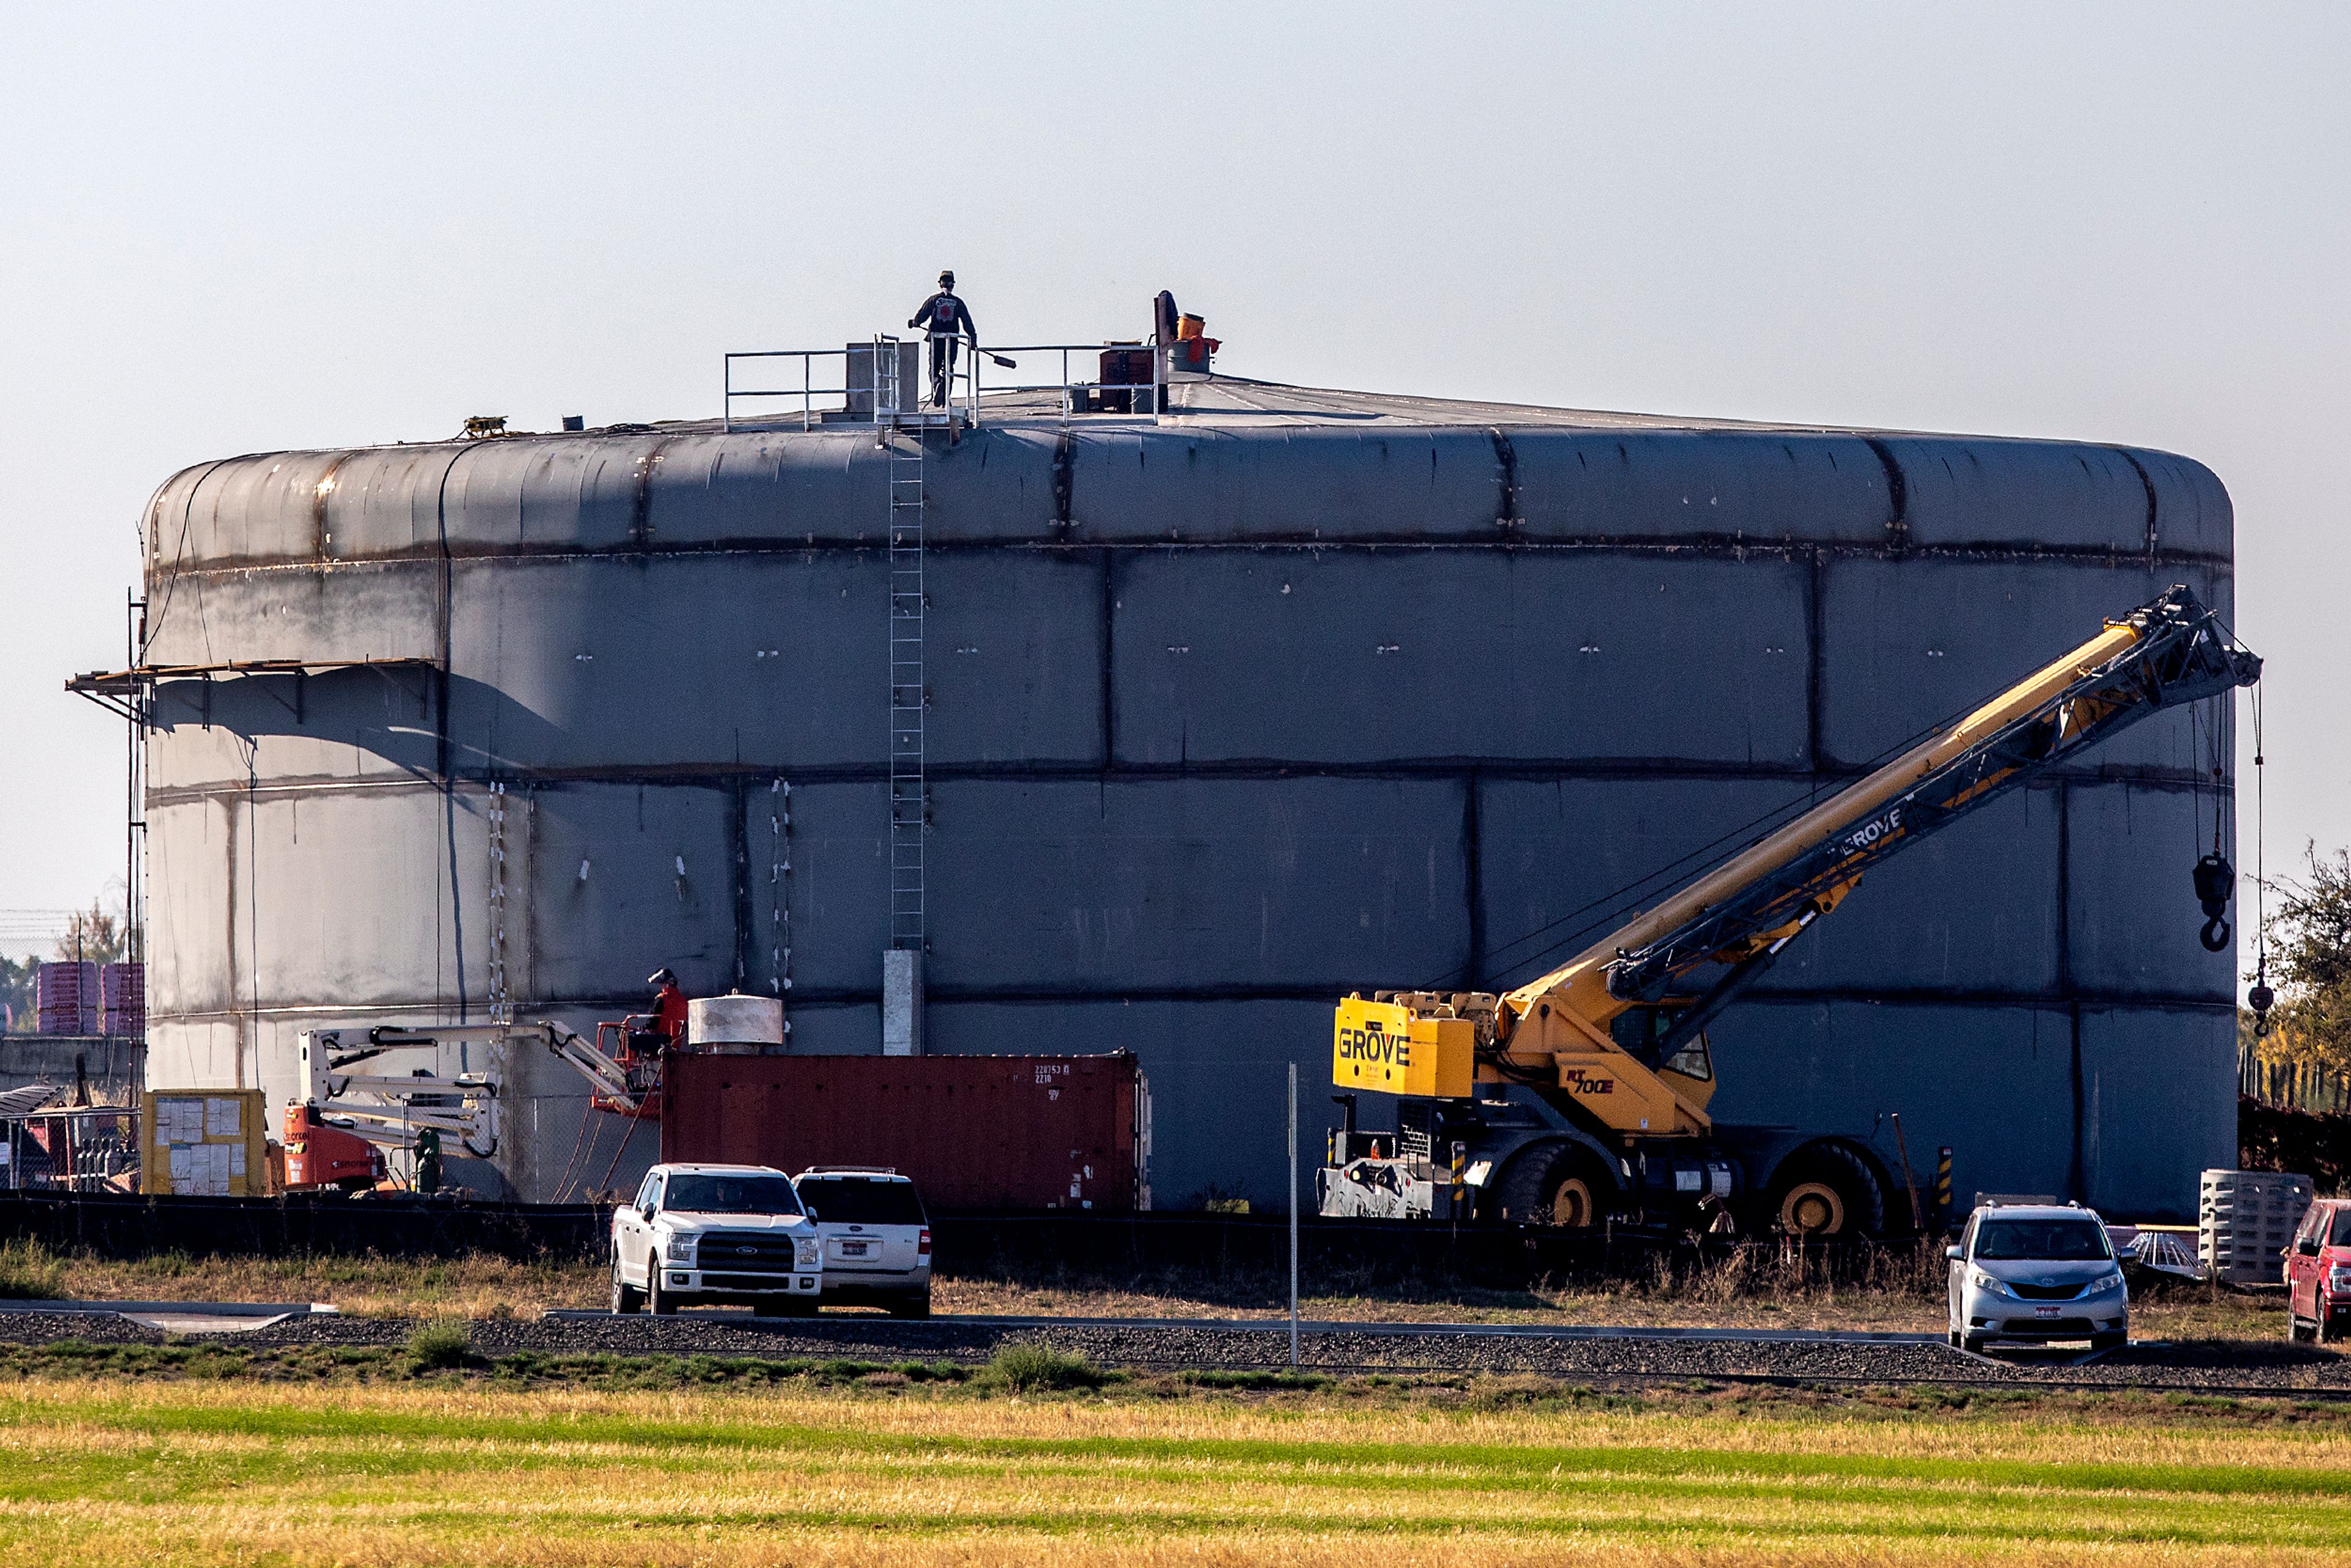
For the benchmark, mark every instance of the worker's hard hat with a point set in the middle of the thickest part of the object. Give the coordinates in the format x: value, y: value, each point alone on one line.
x: 946, y: 280
x: 661, y: 977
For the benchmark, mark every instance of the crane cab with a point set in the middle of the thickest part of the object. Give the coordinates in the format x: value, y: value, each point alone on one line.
x: 1642, y: 1032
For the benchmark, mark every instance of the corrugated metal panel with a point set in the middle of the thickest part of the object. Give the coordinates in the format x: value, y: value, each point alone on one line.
x: 2158, y: 1105
x: 1958, y: 490
x: 1909, y: 644
x: 1762, y: 487
x: 1348, y: 657
x: 974, y: 1132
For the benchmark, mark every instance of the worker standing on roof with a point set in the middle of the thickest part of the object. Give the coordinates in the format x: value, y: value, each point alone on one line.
x: 947, y: 319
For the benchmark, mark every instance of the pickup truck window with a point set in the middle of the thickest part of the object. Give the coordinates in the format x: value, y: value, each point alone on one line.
x: 2340, y: 1231
x: 854, y: 1200
x: 731, y: 1195
x: 2042, y: 1240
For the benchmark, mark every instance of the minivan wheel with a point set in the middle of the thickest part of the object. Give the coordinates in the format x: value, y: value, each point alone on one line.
x: 1973, y: 1344
x: 2109, y: 1341
x: 626, y: 1298
x: 1954, y: 1337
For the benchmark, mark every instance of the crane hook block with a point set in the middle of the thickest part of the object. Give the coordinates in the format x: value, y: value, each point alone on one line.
x: 2215, y: 878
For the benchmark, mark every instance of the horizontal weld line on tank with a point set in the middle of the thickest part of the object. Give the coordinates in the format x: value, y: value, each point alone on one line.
x: 836, y: 1000
x: 1709, y: 547
x: 719, y: 775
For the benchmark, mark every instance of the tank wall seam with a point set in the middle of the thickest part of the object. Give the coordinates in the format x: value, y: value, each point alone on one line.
x: 722, y: 777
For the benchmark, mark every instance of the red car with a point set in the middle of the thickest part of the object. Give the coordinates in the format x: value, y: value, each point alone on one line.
x: 2318, y: 1272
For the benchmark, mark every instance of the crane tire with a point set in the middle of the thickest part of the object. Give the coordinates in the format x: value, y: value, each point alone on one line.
x: 1827, y: 1190
x: 1555, y: 1185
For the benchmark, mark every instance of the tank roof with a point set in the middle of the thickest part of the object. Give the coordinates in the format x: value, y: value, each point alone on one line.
x: 1237, y: 402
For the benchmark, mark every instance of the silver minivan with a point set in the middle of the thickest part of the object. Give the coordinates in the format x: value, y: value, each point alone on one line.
x: 2036, y: 1273
x: 877, y: 1238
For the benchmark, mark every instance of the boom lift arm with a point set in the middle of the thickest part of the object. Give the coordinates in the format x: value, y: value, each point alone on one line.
x: 1600, y: 1038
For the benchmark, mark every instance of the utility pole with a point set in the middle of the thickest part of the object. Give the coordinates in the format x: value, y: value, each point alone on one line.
x: 1294, y: 1216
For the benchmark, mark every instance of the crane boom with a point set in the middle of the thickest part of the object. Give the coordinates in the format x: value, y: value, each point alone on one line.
x: 1563, y: 1032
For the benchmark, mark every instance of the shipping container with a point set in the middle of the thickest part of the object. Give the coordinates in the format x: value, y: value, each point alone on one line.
x: 974, y: 1132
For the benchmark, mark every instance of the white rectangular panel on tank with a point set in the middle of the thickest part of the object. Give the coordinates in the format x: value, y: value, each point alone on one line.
x: 901, y: 1003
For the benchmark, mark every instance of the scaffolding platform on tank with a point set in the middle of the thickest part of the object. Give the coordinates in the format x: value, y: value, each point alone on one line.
x: 833, y: 401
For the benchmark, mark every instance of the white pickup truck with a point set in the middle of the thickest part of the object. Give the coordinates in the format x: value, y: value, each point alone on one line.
x: 734, y: 1234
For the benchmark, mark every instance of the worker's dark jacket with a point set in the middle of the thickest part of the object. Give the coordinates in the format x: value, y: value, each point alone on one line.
x: 945, y: 315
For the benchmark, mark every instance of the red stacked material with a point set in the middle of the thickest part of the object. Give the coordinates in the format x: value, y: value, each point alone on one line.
x: 65, y: 998
x: 123, y: 1000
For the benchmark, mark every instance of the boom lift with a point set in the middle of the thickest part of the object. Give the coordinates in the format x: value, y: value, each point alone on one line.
x: 1613, y: 1044
x: 335, y: 1134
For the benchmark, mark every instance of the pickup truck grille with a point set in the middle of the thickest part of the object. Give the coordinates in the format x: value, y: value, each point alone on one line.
x: 745, y: 1252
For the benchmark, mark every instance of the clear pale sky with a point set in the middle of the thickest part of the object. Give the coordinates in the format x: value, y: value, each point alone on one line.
x: 230, y: 228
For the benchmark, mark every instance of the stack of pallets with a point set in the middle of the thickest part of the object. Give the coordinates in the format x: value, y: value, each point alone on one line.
x: 2245, y: 1220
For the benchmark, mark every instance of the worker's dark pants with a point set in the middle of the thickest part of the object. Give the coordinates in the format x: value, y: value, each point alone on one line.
x: 943, y: 359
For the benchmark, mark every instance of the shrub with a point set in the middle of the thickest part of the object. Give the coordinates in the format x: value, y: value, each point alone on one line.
x: 1030, y: 1367
x: 442, y: 1344
x: 31, y: 1272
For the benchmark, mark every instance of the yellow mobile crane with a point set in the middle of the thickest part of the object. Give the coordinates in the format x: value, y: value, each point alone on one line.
x: 1612, y: 1043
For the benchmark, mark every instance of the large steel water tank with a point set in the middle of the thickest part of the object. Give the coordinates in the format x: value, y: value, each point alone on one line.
x: 1232, y: 709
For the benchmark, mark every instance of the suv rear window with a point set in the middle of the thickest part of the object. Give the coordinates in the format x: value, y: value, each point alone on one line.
x: 731, y: 1195
x: 2043, y: 1240
x: 857, y: 1200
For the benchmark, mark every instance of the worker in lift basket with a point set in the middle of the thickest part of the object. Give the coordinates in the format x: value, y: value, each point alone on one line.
x: 946, y: 317
x: 664, y: 1025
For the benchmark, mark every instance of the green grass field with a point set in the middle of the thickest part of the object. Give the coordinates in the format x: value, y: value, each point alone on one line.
x: 452, y: 1468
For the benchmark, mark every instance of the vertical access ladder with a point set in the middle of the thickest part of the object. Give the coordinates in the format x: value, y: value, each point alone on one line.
x: 908, y: 801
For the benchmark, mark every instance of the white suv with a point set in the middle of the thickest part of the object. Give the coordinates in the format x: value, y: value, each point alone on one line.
x: 716, y: 1233
x: 877, y: 1240
x: 2037, y: 1273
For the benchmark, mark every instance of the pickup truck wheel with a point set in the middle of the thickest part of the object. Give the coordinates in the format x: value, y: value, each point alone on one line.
x: 1556, y: 1185
x: 660, y: 1301
x: 626, y: 1298
x: 2294, y: 1329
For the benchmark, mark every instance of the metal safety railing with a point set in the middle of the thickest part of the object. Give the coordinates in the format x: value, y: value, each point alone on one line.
x: 890, y: 383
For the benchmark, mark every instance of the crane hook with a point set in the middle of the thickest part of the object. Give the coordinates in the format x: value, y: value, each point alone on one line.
x: 2214, y: 879
x: 2261, y: 998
